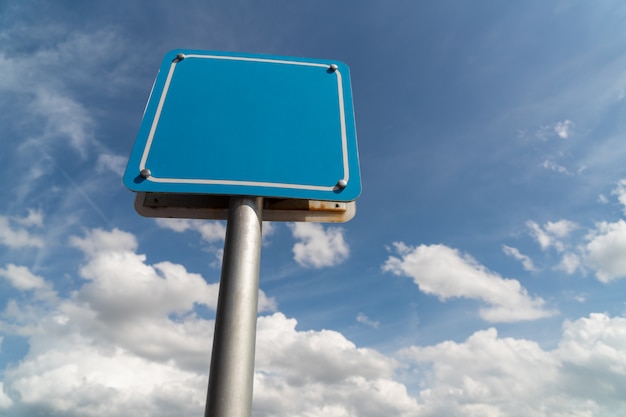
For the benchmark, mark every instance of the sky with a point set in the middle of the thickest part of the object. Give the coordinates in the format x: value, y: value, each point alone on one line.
x: 484, y: 271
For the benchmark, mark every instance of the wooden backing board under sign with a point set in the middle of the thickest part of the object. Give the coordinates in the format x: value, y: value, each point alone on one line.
x: 215, y: 207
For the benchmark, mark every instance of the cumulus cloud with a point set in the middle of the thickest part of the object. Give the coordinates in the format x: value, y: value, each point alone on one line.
x: 100, y: 241
x: 129, y: 341
x: 128, y: 338
x: 527, y: 263
x: 318, y: 247
x: 605, y: 250
x: 86, y: 359
x: 594, y: 349
x: 488, y: 375
x: 320, y: 373
x: 119, y: 278
x: 473, y: 377
x: 442, y: 271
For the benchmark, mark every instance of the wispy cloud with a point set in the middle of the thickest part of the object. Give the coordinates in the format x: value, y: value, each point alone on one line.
x: 564, y: 129
x: 110, y: 162
x: 363, y: 319
x: 552, y: 234
x: 561, y: 130
x: 553, y: 166
x: 527, y: 263
x: 15, y: 233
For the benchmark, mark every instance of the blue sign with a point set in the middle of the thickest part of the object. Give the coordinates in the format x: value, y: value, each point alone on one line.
x: 241, y: 124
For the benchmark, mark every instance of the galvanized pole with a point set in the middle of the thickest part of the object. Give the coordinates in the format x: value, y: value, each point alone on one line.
x: 232, y: 361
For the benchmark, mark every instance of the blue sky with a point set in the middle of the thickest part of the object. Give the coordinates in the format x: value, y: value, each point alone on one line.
x: 483, y: 274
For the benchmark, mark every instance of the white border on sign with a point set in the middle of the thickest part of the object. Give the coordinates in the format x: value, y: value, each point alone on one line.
x: 155, y: 122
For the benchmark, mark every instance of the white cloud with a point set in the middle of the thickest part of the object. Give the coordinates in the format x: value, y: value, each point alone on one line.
x: 82, y: 380
x: 444, y: 272
x: 527, y: 263
x: 19, y: 237
x: 210, y: 231
x: 594, y: 349
x: 553, y: 166
x: 552, y: 233
x: 127, y: 339
x: 85, y: 359
x: 120, y: 278
x: 564, y: 129
x: 545, y: 241
x: 52, y: 99
x: 560, y: 229
x: 34, y: 219
x: 269, y: 229
x: 569, y: 263
x: 21, y: 278
x: 44, y: 89
x: 487, y: 375
x: 322, y: 373
x: 128, y: 342
x: 363, y: 319
x: 605, y: 250
x: 5, y: 400
x: 66, y: 119
x: 113, y: 163
x: 620, y: 192
x: 544, y: 132
x: 318, y: 247
x: 98, y: 241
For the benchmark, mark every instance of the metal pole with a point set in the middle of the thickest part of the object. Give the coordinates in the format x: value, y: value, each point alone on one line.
x: 232, y: 360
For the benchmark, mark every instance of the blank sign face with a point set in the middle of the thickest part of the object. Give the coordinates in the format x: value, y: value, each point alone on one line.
x: 241, y: 124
